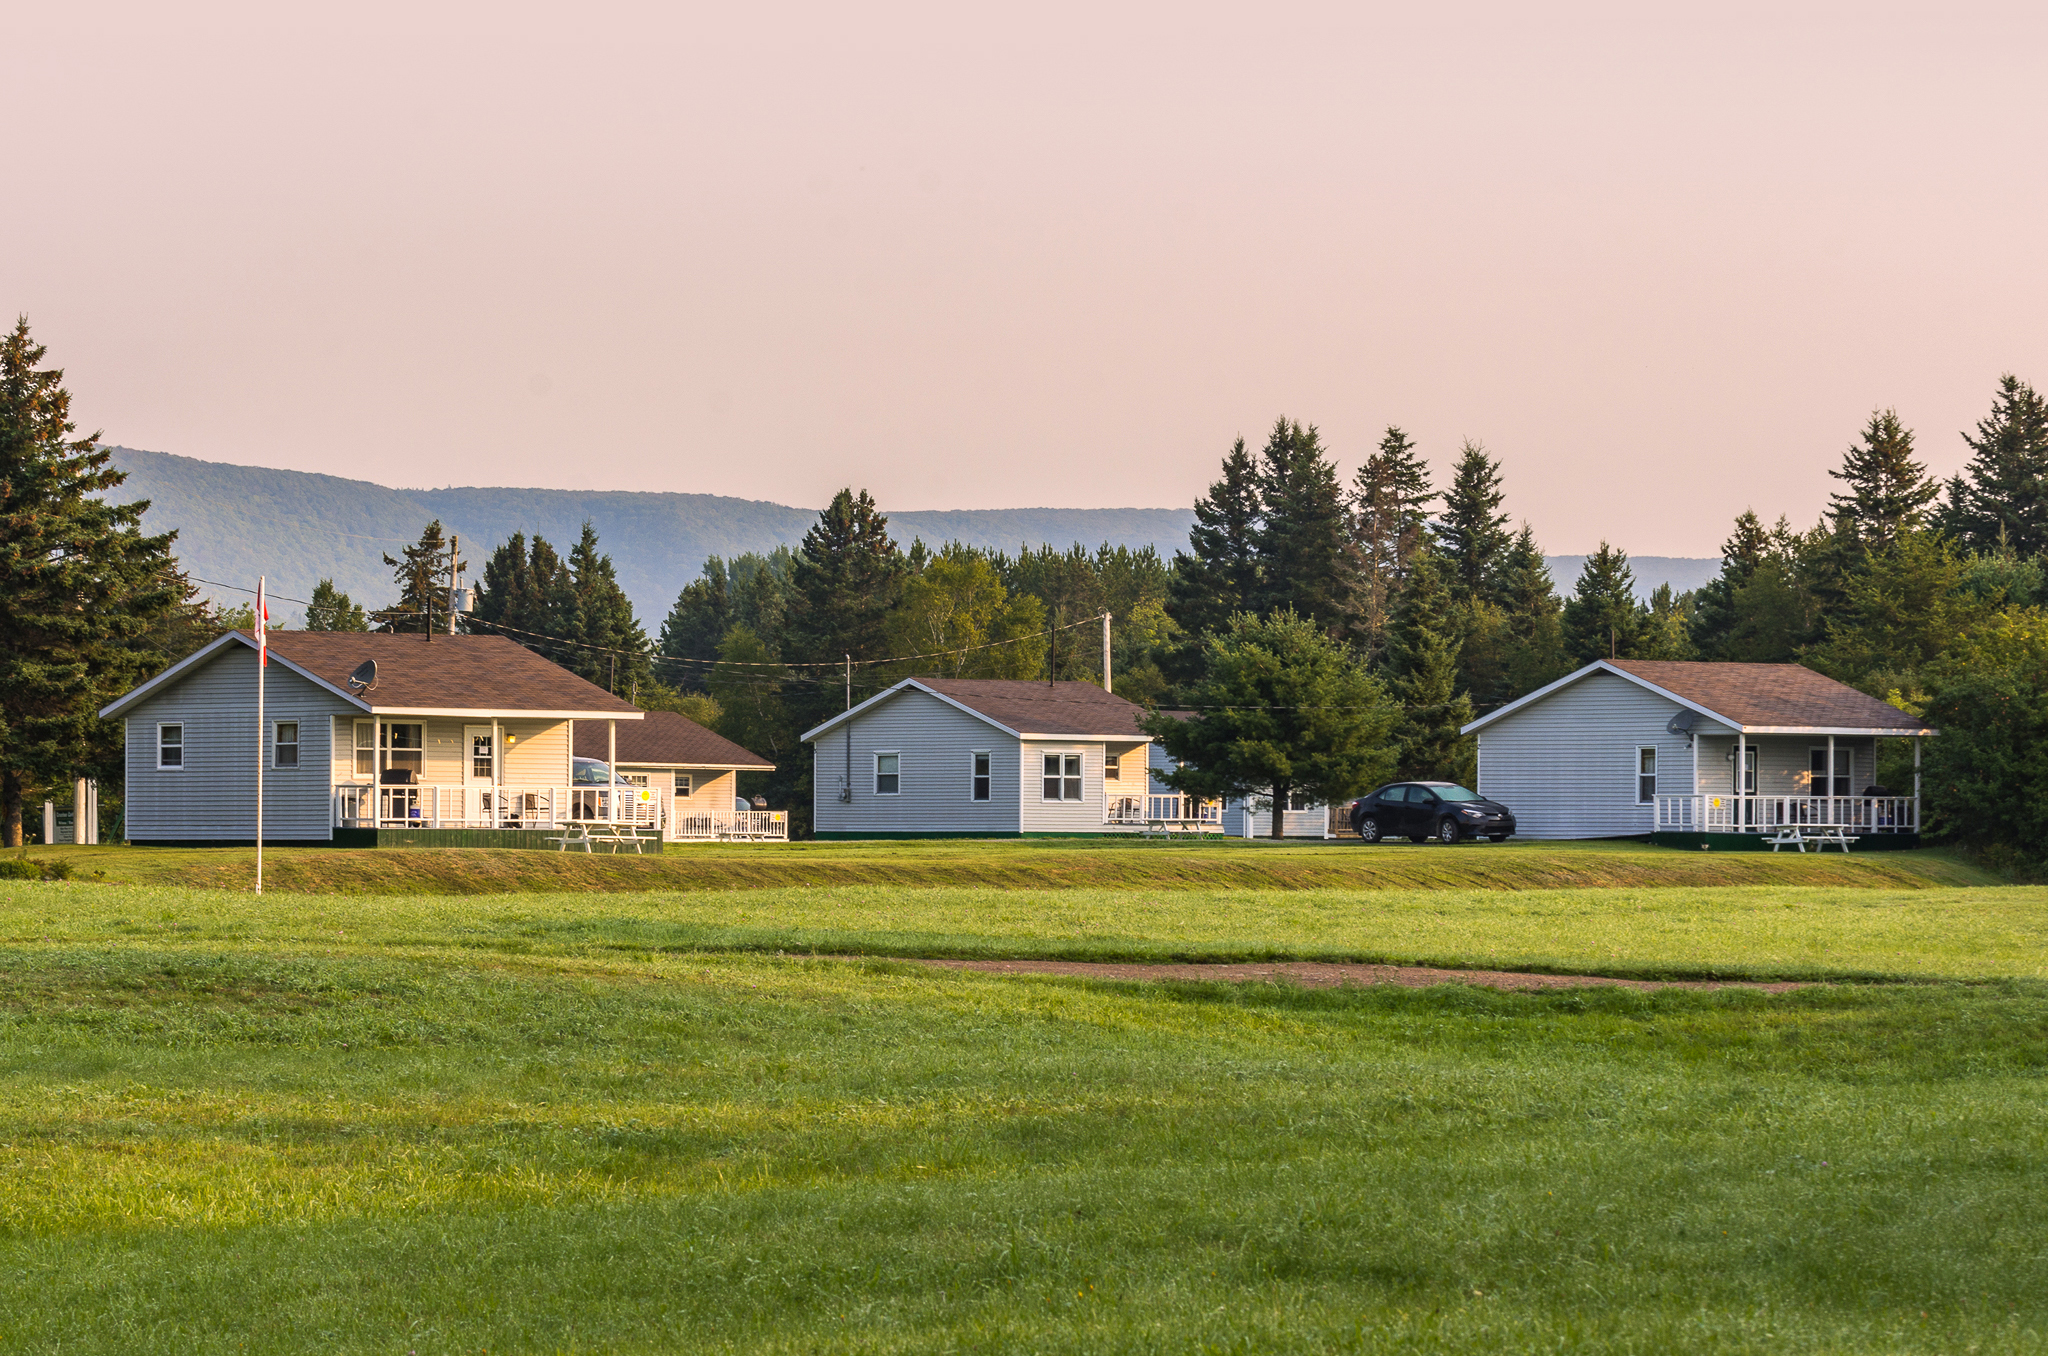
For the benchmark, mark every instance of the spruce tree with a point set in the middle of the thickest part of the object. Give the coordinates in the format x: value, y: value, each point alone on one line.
x: 1218, y: 574
x: 1888, y: 491
x: 1602, y: 617
x: 1423, y: 654
x: 697, y: 626
x: 422, y: 572
x: 847, y: 573
x: 2004, y: 488
x: 1714, y: 616
x: 1306, y: 561
x: 80, y: 586
x: 610, y: 647
x: 330, y: 609
x: 1472, y: 532
x: 1530, y: 600
x: 1390, y: 507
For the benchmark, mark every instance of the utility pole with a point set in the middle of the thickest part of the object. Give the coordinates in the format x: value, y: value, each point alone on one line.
x: 454, y: 561
x: 849, y: 682
x: 1105, y: 654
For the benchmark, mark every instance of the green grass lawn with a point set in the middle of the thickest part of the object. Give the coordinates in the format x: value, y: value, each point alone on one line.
x: 571, y: 1122
x: 1028, y: 864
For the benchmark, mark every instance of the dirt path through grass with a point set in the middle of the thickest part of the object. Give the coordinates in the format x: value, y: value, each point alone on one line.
x: 1323, y: 975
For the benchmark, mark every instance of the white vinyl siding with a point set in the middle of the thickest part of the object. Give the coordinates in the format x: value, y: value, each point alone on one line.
x: 212, y: 796
x: 1784, y: 764
x: 1568, y: 765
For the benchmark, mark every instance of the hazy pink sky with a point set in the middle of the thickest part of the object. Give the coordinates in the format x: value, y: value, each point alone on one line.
x: 1663, y: 264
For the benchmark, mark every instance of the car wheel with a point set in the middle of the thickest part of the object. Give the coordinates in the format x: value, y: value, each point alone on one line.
x: 1496, y: 838
x: 1447, y: 831
x: 1369, y: 829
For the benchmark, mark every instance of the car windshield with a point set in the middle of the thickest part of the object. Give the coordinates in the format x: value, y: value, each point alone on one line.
x: 1454, y: 793
x: 592, y: 772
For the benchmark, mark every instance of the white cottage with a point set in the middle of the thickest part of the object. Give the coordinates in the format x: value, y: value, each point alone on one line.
x: 986, y: 758
x: 461, y: 741
x: 1693, y: 753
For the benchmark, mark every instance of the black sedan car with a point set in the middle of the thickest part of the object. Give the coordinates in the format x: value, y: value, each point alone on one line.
x: 1421, y: 811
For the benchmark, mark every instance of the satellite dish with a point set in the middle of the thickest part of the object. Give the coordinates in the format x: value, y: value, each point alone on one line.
x: 365, y: 676
x: 1680, y: 724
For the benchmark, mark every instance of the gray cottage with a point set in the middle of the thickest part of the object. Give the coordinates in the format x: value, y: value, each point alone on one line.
x: 467, y: 740
x: 986, y: 758
x: 1696, y: 753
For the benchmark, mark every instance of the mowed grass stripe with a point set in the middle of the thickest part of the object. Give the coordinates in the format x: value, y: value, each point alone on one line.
x: 1016, y: 865
x: 361, y: 1151
x: 1780, y: 932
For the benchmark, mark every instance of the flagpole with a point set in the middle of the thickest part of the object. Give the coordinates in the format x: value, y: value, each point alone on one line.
x: 262, y: 669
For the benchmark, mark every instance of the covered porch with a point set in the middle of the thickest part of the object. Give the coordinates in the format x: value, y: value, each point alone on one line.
x: 1164, y: 812
x: 1762, y: 784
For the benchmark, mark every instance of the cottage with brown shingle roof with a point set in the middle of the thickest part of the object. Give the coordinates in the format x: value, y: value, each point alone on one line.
x: 1631, y: 747
x: 987, y: 758
x: 368, y: 739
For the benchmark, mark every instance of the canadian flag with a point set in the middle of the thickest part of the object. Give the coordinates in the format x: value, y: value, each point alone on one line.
x: 262, y: 625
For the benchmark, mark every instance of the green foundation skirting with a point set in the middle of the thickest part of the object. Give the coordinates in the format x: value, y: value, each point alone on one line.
x: 1755, y: 842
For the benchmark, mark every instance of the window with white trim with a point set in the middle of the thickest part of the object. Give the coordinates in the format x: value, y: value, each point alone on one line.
x: 684, y: 783
x: 405, y: 746
x: 170, y: 747
x: 366, y: 748
x: 979, y: 787
x: 1646, y: 776
x: 1062, y: 776
x: 284, y: 744
x: 1112, y: 767
x: 888, y: 774
x: 1299, y: 803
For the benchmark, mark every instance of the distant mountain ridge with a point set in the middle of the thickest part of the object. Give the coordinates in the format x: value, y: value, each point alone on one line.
x: 298, y: 527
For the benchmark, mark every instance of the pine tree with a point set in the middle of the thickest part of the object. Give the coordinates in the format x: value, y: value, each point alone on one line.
x: 1306, y: 562
x: 1472, y: 532
x: 1219, y: 573
x: 1423, y: 653
x: 1534, y: 621
x: 697, y: 626
x: 1390, y: 503
x: 80, y: 586
x: 1714, y: 616
x: 610, y: 647
x: 1602, y: 618
x: 332, y: 610
x: 422, y: 573
x: 1888, y: 491
x: 2003, y: 504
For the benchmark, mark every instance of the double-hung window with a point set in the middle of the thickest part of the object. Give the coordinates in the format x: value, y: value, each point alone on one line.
x: 1112, y: 767
x: 1646, y: 776
x: 170, y: 747
x: 1062, y: 776
x: 981, y: 777
x: 1298, y: 802
x: 284, y: 744
x: 366, y: 749
x: 1818, y: 761
x: 888, y: 773
x: 405, y: 747
x: 683, y: 783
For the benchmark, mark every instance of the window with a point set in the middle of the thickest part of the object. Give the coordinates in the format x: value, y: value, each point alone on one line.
x: 1112, y: 767
x: 1298, y: 801
x: 1646, y: 776
x: 405, y: 747
x: 366, y: 748
x: 170, y: 746
x: 888, y: 779
x: 981, y: 776
x: 1063, y: 776
x: 684, y: 783
x: 284, y: 744
x: 1818, y: 761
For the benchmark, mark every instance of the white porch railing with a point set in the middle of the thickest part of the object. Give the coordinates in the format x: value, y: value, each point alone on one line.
x: 429, y: 806
x: 1730, y: 813
x: 1188, y: 812
x: 747, y: 826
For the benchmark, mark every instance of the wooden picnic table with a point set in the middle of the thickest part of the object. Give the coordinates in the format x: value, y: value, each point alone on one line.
x: 1791, y: 835
x: 588, y: 836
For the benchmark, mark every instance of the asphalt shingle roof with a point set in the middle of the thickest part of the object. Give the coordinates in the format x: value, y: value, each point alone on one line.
x: 1067, y: 708
x: 667, y: 739
x: 1785, y: 695
x: 469, y: 673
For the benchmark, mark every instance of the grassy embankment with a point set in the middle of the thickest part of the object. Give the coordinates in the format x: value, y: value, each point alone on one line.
x: 373, y: 1125
x: 1012, y: 864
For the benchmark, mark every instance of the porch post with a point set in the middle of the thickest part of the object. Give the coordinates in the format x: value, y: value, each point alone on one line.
x: 1916, y: 783
x: 1831, y: 779
x: 1741, y: 781
x: 611, y: 760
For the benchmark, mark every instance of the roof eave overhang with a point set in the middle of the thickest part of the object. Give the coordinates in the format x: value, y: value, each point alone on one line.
x: 204, y: 653
x: 695, y: 767
x: 811, y: 736
x: 1858, y: 731
x: 1071, y: 735
x: 502, y: 713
